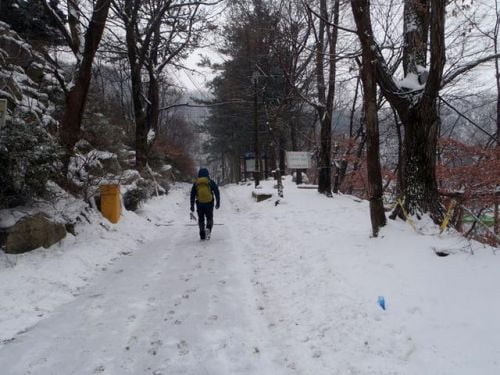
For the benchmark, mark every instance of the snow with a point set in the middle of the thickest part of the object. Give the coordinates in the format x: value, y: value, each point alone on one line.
x: 165, y: 168
x: 151, y: 136
x: 286, y: 289
x: 410, y: 81
x: 63, y: 209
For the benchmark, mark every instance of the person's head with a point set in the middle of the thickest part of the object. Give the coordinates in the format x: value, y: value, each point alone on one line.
x: 203, y: 172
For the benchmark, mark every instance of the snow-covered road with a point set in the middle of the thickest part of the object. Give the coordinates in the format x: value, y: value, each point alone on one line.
x: 177, y: 306
x: 279, y: 289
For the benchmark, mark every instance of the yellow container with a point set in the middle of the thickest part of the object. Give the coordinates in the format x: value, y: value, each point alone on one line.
x: 110, y: 202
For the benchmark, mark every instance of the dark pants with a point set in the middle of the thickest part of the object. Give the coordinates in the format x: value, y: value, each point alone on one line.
x: 205, y: 210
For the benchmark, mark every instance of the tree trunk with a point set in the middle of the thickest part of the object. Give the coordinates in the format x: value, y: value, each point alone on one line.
x: 256, y: 174
x: 325, y: 169
x: 141, y: 131
x: 375, y: 190
x: 326, y: 97
x: 496, y: 225
x: 141, y: 126
x: 281, y: 154
x: 419, y: 184
x: 77, y: 94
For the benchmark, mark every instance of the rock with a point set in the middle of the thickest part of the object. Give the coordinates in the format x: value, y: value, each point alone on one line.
x: 8, y: 84
x: 26, y: 80
x: 36, y: 72
x: 129, y: 176
x: 259, y: 197
x: 18, y: 51
x: 32, y: 232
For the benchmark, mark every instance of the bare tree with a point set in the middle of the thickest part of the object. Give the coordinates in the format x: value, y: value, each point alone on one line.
x: 497, y: 80
x: 368, y: 77
x: 158, y: 33
x: 326, y: 37
x: 83, y: 42
x: 417, y: 109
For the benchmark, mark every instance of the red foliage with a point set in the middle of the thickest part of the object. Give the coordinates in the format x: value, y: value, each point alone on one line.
x: 469, y: 171
x: 174, y: 155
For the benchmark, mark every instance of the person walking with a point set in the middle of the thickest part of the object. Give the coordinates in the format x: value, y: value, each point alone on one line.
x: 205, y: 191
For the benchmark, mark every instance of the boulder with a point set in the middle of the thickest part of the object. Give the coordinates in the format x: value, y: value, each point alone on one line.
x: 36, y: 72
x: 259, y: 197
x: 18, y: 51
x: 32, y: 232
x: 8, y: 84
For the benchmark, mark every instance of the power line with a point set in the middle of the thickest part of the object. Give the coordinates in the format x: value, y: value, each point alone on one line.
x: 468, y: 119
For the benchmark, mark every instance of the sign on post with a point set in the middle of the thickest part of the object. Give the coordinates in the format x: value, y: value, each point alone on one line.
x: 298, y: 159
x: 3, y: 112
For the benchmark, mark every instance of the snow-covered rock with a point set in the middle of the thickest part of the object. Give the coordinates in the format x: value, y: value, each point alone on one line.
x: 26, y: 81
x: 30, y: 233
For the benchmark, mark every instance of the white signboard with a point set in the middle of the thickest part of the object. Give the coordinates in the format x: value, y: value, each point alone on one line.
x: 3, y: 112
x: 298, y: 159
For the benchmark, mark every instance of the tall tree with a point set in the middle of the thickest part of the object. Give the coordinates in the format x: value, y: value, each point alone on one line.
x: 83, y: 42
x: 250, y: 49
x: 158, y: 34
x: 415, y: 99
x: 326, y: 38
x: 368, y: 77
x: 497, y: 80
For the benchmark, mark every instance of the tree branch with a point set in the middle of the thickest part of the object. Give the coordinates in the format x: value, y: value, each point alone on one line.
x: 448, y: 78
x: 60, y: 25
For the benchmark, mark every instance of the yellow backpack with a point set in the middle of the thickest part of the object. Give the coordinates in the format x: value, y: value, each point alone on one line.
x: 203, y: 190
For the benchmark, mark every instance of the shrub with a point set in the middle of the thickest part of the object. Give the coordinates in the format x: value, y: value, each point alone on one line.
x: 28, y: 159
x: 135, y: 196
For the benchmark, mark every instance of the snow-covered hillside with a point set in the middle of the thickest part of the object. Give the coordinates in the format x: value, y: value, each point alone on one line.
x: 291, y: 288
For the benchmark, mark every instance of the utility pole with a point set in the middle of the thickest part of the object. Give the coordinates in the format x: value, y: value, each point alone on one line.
x: 256, y: 174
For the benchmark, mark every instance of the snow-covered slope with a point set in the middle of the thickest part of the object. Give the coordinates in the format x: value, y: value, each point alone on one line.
x: 279, y: 289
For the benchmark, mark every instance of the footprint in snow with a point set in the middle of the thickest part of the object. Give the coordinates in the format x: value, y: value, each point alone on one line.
x: 131, y: 318
x: 186, y: 277
x: 155, y: 345
x: 316, y: 354
x: 183, y: 347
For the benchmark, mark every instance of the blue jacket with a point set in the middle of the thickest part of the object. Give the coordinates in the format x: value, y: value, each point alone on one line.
x: 213, y: 186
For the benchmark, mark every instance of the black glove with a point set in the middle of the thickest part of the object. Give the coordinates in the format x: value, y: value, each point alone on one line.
x: 192, y: 208
x: 217, y: 205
